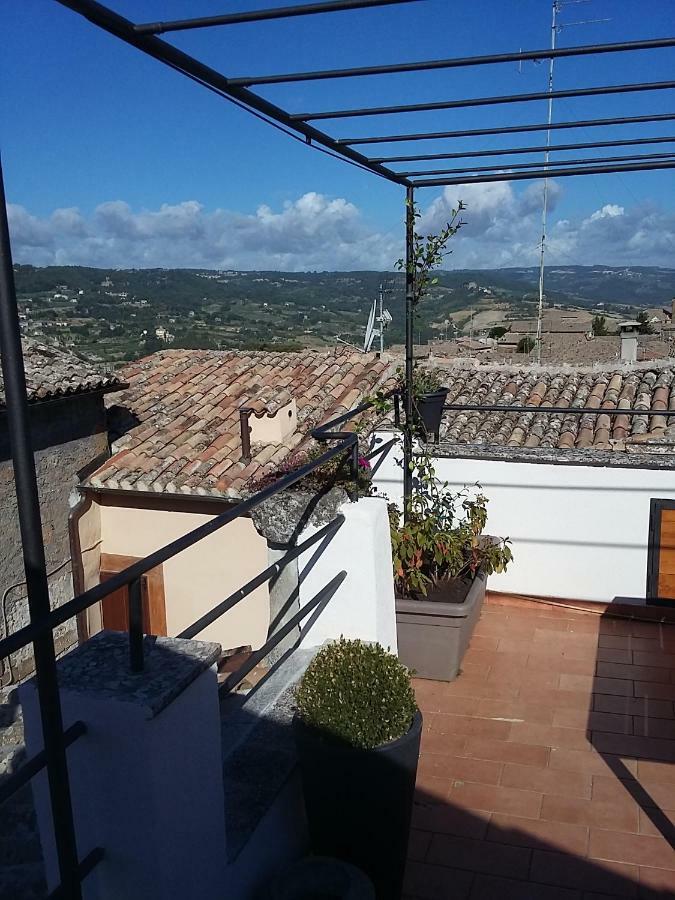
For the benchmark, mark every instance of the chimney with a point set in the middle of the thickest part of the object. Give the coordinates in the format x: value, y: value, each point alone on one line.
x: 629, y: 340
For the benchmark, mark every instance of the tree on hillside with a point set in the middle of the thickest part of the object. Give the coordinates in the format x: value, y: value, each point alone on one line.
x: 599, y: 326
x: 498, y: 331
x: 526, y: 345
x: 645, y: 324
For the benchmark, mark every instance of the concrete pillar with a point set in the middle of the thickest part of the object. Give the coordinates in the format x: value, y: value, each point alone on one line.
x: 281, y: 520
x: 146, y: 778
x: 363, y: 606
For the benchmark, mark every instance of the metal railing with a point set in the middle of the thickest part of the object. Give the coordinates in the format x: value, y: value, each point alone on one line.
x: 40, y: 629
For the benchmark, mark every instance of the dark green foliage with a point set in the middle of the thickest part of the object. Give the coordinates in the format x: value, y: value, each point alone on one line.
x: 357, y: 693
x: 599, y: 326
x: 526, y: 345
x: 498, y: 332
x: 645, y: 324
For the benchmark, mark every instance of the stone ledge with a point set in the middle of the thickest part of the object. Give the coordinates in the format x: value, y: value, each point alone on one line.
x: 101, y: 667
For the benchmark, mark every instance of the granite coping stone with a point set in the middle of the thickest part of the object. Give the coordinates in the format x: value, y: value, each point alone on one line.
x: 100, y: 667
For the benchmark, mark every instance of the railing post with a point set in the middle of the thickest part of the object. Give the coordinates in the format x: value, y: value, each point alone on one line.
x: 409, y: 360
x: 136, y: 625
x: 37, y: 588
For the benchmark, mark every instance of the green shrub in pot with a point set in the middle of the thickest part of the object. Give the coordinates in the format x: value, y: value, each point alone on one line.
x: 357, y: 693
x: 358, y: 735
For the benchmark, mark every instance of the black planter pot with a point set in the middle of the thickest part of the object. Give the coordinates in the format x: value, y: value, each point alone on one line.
x: 359, y: 802
x: 429, y: 410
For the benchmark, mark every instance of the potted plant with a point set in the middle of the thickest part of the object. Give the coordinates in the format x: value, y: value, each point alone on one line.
x: 358, y: 734
x: 429, y: 396
x: 441, y: 562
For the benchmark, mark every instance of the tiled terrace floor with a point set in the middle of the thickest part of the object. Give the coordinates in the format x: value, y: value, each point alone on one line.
x: 546, y: 770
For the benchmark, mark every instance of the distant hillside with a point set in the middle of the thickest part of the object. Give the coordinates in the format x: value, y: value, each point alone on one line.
x: 121, y: 314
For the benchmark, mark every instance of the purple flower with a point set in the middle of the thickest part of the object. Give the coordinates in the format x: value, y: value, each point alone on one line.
x: 364, y: 463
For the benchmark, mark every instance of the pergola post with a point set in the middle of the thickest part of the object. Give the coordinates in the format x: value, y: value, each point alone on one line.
x: 409, y: 349
x: 37, y: 588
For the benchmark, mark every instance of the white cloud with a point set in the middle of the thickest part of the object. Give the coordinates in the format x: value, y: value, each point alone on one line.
x: 318, y: 232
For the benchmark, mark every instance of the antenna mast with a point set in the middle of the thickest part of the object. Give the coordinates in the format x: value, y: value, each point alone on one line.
x: 540, y: 311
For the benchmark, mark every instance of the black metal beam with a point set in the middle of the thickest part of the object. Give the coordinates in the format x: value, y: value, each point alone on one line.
x: 459, y: 62
x: 262, y: 15
x: 35, y: 566
x: 410, y: 273
x: 545, y: 173
x: 507, y: 129
x: 534, y: 165
x: 558, y: 410
x: 541, y: 148
x: 123, y: 29
x: 485, y: 101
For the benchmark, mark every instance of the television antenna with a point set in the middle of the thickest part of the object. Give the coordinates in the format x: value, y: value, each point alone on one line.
x: 556, y: 28
x: 378, y: 320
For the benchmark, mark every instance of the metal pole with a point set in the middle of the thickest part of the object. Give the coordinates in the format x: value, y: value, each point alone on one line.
x: 409, y: 359
x: 544, y: 211
x: 37, y: 588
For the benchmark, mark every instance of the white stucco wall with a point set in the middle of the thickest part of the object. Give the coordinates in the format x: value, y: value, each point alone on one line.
x: 578, y: 531
x: 363, y: 605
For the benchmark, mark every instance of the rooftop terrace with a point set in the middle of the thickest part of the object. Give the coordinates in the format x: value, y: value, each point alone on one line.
x: 547, y: 767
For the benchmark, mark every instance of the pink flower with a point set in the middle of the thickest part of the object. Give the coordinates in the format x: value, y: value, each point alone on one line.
x: 364, y: 463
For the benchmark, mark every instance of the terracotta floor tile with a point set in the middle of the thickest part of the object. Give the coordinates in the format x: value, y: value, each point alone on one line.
x: 516, y: 710
x: 557, y: 699
x: 483, y: 643
x: 489, y: 887
x: 432, y: 786
x: 658, y: 823
x: 549, y: 736
x: 460, y: 768
x: 418, y: 844
x: 658, y: 728
x: 656, y: 691
x: 620, y: 815
x: 660, y: 793
x: 639, y: 849
x: 656, y: 883
x: 656, y: 771
x: 637, y: 673
x: 450, y: 704
x: 634, y: 706
x: 538, y: 834
x: 479, y: 856
x: 654, y: 658
x: 547, y: 781
x: 441, y: 818
x: 506, y: 751
x: 595, y: 721
x: 450, y: 724
x: 587, y: 761
x: 541, y: 662
x: 433, y: 742
x: 588, y: 875
x: 634, y: 746
x: 477, y: 688
x: 495, y: 798
x: 607, y: 654
x: 437, y: 882
x: 622, y: 687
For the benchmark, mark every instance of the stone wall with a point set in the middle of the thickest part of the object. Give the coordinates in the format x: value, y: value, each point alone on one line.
x: 68, y: 436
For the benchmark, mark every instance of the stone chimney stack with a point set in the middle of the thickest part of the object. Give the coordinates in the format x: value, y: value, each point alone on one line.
x: 629, y: 339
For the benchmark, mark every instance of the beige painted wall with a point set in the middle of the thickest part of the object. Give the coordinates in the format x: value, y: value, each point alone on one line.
x: 200, y: 577
x: 89, y: 526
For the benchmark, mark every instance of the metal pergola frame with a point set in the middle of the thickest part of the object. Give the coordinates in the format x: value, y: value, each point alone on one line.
x: 143, y: 36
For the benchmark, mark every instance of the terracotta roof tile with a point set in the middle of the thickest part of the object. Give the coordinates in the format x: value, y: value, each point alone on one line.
x: 56, y: 372
x: 647, y: 386
x: 186, y: 404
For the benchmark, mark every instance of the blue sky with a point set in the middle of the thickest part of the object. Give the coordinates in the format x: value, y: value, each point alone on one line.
x: 113, y: 159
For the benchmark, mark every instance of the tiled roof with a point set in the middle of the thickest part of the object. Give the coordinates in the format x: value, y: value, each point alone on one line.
x: 186, y: 406
x: 637, y: 387
x: 55, y: 372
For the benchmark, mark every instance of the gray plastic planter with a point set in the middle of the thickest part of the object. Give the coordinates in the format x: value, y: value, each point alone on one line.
x: 433, y: 636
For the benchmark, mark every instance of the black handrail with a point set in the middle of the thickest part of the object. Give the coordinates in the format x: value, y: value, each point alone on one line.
x: 92, y: 859
x: 35, y: 764
x: 557, y: 410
